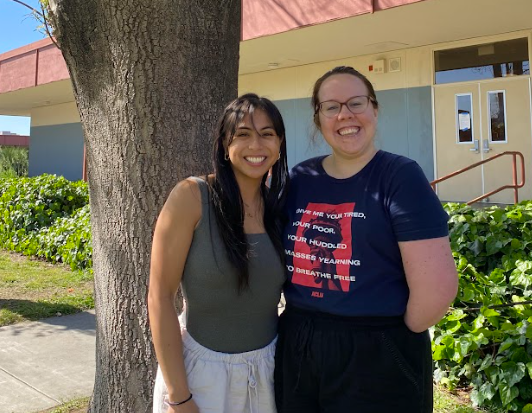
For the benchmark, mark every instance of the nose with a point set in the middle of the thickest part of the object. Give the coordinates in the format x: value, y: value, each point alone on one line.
x: 255, y: 141
x: 344, y: 113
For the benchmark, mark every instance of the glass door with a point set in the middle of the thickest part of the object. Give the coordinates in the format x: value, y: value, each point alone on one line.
x: 458, y: 140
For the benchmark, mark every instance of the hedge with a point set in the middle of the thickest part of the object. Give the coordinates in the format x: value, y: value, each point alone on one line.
x: 46, y: 216
x: 485, y: 341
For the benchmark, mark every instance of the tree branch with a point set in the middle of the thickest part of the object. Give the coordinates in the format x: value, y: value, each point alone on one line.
x: 47, y: 28
x: 42, y: 15
x: 494, y: 306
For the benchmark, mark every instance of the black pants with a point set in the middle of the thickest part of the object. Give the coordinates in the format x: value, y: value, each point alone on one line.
x: 333, y: 364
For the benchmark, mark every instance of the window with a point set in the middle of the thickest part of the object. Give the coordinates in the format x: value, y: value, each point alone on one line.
x: 464, y: 120
x: 497, y: 116
x: 487, y: 61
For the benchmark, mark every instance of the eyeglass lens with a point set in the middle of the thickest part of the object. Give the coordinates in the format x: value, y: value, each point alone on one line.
x: 357, y: 104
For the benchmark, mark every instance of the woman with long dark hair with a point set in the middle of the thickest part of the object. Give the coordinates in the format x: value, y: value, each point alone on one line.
x: 219, y: 237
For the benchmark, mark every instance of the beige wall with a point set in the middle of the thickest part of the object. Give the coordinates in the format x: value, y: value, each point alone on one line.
x: 55, y: 115
x: 297, y: 82
x: 416, y: 70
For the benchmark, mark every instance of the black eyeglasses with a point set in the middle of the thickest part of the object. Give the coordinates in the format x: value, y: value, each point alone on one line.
x: 355, y: 105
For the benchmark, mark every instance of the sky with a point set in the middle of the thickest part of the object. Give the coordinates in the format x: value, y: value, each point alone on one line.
x: 17, y: 29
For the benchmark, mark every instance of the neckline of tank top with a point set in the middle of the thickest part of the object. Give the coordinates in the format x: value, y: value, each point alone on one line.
x: 255, y: 233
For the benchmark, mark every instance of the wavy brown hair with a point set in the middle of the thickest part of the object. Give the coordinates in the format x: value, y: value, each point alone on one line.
x: 348, y: 70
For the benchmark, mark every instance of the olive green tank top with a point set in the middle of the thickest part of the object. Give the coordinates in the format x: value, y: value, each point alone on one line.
x: 216, y: 315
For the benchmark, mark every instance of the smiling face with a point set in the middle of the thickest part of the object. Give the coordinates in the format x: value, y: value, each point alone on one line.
x: 255, y: 146
x: 351, y: 136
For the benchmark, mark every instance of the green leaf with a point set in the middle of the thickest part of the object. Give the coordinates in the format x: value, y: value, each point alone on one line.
x: 507, y: 393
x: 476, y: 397
x: 524, y: 266
x: 488, y: 391
x: 529, y: 368
x: 493, y: 374
x: 468, y: 294
x: 516, y: 244
x: 479, y: 322
x: 512, y: 373
x: 488, y: 360
x: 493, y: 245
x: 464, y: 344
x: 476, y: 246
x: 527, y: 408
x: 439, y: 353
x: 489, y: 312
x: 457, y: 314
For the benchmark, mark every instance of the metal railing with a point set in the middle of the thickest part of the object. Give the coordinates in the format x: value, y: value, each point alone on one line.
x: 514, y: 185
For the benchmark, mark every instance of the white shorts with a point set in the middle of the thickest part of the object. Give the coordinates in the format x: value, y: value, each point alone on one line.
x: 224, y: 383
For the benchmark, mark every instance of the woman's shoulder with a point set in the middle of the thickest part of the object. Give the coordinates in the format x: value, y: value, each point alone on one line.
x: 310, y: 167
x: 186, y: 197
x: 394, y: 159
x: 395, y: 166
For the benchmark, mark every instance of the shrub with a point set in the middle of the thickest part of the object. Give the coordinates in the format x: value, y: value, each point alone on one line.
x: 47, y: 216
x: 13, y: 161
x: 486, y: 340
x: 68, y: 240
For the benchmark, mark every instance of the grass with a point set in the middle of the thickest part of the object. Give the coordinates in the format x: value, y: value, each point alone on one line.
x: 73, y: 406
x: 32, y: 289
x: 444, y: 402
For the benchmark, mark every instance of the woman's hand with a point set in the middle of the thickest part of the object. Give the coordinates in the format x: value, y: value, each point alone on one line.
x: 188, y: 407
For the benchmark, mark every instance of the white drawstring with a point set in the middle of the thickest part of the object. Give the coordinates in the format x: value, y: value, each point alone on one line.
x: 252, y: 388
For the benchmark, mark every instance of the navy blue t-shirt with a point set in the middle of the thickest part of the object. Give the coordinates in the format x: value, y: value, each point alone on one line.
x: 341, y: 240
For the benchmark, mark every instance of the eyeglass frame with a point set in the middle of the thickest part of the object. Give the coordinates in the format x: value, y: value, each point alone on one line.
x: 369, y: 98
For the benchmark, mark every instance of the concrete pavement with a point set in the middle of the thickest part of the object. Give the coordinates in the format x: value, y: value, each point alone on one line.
x: 47, y: 362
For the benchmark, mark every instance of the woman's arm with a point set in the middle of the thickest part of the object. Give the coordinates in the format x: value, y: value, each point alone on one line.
x: 432, y: 280
x: 171, y: 243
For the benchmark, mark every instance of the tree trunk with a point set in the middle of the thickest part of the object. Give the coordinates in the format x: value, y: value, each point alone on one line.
x: 150, y: 80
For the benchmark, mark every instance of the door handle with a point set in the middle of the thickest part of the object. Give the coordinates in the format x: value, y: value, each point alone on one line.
x: 486, y: 146
x: 475, y: 147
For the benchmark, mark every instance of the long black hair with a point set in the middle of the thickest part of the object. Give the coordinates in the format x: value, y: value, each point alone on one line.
x: 225, y: 192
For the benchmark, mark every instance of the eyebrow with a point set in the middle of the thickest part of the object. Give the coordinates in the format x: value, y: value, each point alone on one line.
x: 247, y: 128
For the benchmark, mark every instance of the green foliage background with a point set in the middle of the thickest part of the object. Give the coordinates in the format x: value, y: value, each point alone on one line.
x: 13, y: 162
x: 486, y: 340
x: 46, y: 216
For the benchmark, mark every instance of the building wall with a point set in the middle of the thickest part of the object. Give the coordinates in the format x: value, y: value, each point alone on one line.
x: 405, y: 118
x: 405, y: 100
x: 56, y: 145
x: 405, y: 127
x: 35, y: 64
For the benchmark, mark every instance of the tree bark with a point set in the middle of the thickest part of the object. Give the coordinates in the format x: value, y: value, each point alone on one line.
x: 150, y: 81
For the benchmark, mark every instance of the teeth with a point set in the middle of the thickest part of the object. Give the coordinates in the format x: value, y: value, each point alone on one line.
x: 348, y: 131
x: 255, y: 159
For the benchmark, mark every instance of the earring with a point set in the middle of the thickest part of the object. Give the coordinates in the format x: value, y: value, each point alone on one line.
x: 279, y: 156
x: 226, y: 156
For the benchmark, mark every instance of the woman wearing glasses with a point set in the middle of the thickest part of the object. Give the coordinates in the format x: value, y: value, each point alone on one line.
x: 369, y: 267
x: 219, y: 237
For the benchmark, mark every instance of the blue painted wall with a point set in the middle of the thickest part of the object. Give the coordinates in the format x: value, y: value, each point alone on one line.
x: 57, y: 149
x: 405, y: 127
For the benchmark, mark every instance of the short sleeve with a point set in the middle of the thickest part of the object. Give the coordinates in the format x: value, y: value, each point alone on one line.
x: 415, y: 210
